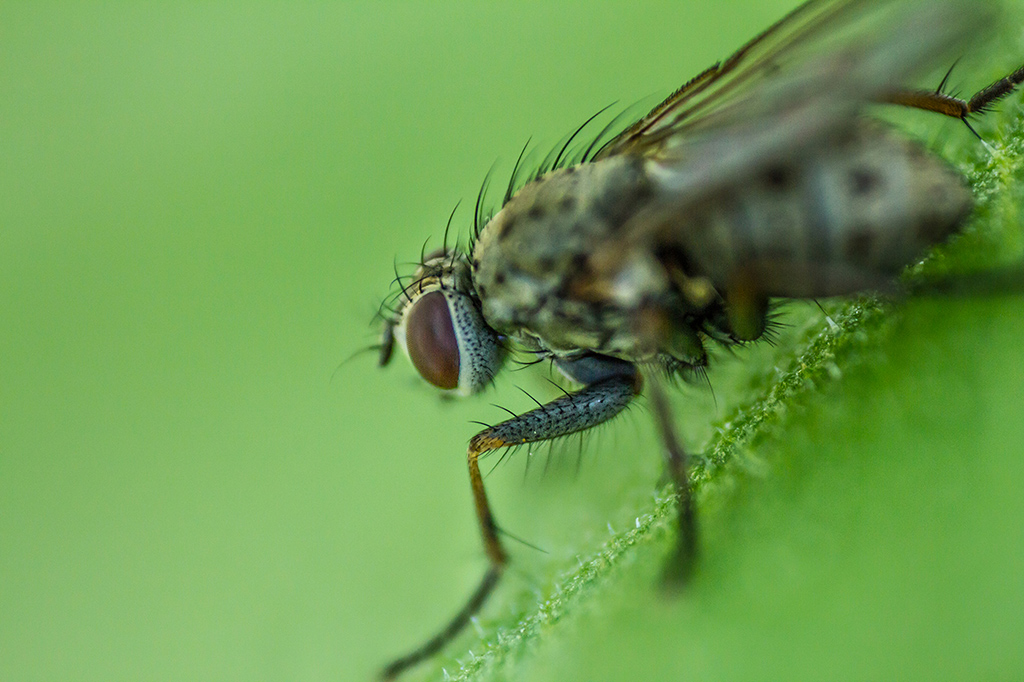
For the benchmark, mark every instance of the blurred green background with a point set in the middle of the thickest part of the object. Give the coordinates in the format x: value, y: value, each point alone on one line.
x: 200, y: 206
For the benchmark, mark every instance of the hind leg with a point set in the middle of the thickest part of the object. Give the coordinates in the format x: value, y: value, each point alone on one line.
x: 948, y: 105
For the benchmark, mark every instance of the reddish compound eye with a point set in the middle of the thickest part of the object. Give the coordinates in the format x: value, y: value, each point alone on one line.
x: 431, y: 342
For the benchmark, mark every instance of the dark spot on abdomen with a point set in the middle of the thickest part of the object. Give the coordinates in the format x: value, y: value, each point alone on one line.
x: 934, y: 229
x: 864, y: 181
x: 859, y: 247
x: 778, y: 177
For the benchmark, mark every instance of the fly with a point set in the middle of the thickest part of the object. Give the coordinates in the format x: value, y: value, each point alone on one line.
x: 761, y: 178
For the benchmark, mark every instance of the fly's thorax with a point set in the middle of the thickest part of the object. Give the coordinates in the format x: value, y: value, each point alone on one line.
x: 537, y: 267
x: 440, y: 327
x: 843, y: 216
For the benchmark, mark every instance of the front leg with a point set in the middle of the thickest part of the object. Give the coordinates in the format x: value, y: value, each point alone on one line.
x: 610, y: 386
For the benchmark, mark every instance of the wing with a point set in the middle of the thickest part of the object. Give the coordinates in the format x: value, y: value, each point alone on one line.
x: 807, y: 74
x: 718, y: 84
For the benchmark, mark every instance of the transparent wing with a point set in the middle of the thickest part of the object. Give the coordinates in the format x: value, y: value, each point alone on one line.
x: 717, y: 85
x: 805, y: 75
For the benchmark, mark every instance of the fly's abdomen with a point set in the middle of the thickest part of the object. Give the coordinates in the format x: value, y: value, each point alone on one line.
x: 839, y: 218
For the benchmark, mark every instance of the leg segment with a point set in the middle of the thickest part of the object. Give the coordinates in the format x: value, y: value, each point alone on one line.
x: 614, y: 384
x: 454, y: 627
x: 948, y: 105
x: 680, y: 564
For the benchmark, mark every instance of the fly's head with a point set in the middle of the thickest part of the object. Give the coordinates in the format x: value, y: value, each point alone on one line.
x: 437, y: 322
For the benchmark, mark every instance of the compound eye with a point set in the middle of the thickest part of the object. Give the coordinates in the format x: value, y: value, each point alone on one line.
x: 431, y: 342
